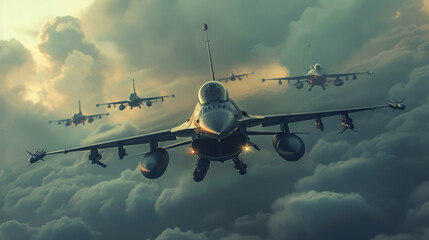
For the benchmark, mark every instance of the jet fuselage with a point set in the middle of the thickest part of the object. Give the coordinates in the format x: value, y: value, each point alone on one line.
x: 218, y: 136
x: 134, y: 100
x: 317, y: 76
x: 78, y: 118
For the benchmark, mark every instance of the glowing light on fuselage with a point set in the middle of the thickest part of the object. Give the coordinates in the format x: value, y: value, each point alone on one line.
x: 192, y: 151
x: 247, y: 148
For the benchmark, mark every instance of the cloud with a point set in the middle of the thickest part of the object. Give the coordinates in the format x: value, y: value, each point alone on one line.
x: 65, y: 228
x: 323, y: 215
x: 12, y: 55
x: 14, y: 230
x: 176, y: 42
x: 375, y: 180
x: 177, y: 234
x: 107, y: 132
x: 60, y: 36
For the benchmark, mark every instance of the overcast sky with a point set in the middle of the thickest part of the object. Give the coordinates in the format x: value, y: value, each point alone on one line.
x: 372, y: 185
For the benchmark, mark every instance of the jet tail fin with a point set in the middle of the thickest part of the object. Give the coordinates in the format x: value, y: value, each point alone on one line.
x: 80, y: 110
x: 208, y: 50
x: 134, y: 87
x: 310, y: 54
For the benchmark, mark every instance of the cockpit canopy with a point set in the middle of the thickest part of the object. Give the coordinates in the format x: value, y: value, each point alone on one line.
x: 212, y: 92
x: 317, y: 67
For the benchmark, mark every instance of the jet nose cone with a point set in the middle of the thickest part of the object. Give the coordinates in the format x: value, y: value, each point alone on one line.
x: 217, y: 122
x: 32, y: 159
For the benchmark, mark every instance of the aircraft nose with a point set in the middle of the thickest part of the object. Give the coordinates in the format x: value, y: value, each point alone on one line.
x: 32, y: 159
x: 217, y: 122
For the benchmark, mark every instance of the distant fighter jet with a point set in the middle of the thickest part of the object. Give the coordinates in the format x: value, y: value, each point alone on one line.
x: 217, y: 131
x: 233, y: 77
x: 134, y: 100
x: 318, y: 77
x: 79, y: 118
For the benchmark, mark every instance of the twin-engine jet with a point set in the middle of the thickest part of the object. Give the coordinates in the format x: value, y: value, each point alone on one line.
x: 79, y: 118
x: 318, y: 77
x: 233, y: 77
x: 217, y: 131
x: 135, y: 101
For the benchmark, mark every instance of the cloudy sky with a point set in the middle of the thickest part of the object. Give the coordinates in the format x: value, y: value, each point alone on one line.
x: 372, y: 185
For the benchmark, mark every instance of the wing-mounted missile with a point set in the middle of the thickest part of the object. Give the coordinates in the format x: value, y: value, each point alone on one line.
x: 319, y: 124
x: 280, y: 82
x: 346, y: 123
x: 35, y: 157
x: 396, y: 105
x: 95, y: 157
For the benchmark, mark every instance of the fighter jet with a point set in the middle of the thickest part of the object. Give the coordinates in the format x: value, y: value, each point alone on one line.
x: 134, y: 100
x: 217, y: 131
x: 78, y: 118
x: 233, y: 77
x: 318, y: 77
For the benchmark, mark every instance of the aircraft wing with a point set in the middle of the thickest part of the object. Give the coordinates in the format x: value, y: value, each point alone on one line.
x: 296, y: 78
x: 348, y: 74
x: 61, y: 120
x: 97, y: 115
x: 244, y: 74
x: 156, y: 98
x: 113, y: 103
x: 160, y: 136
x: 222, y: 79
x: 270, y: 120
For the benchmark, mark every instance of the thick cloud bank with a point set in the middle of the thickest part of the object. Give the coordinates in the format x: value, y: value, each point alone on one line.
x: 372, y: 185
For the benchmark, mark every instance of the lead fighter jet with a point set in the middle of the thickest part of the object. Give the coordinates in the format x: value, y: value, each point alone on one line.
x: 79, y: 118
x: 318, y: 77
x: 134, y: 100
x: 218, y: 130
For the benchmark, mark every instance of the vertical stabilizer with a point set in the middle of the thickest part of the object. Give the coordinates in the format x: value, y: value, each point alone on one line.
x: 208, y: 50
x: 134, y: 87
x: 80, y: 110
x: 311, y: 54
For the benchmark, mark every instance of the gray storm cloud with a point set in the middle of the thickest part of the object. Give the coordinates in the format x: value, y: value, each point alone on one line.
x: 63, y: 35
x: 312, y: 215
x: 376, y: 180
